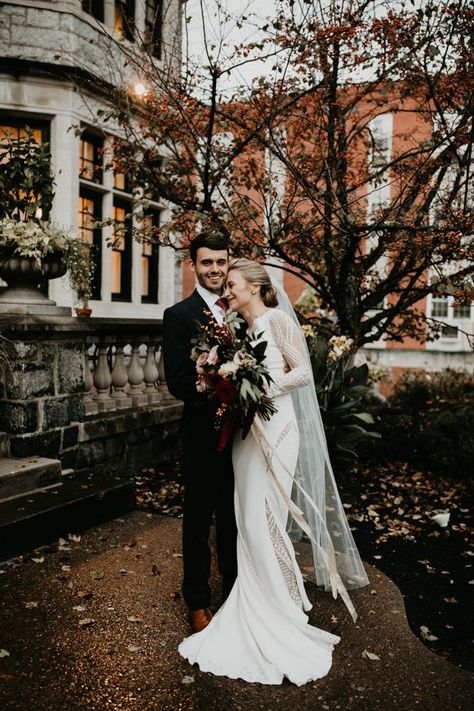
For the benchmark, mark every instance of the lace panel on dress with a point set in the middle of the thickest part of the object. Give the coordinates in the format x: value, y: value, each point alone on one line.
x: 290, y: 342
x: 283, y: 557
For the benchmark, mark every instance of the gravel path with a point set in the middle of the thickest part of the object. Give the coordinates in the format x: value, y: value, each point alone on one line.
x: 93, y: 623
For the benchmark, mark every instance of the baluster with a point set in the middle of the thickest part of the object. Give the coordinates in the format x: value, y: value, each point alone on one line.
x: 90, y: 406
x: 102, y: 382
x: 135, y: 378
x: 150, y: 374
x: 165, y: 395
x: 119, y: 380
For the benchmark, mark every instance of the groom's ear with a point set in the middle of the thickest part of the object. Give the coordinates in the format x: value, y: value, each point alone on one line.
x: 191, y: 265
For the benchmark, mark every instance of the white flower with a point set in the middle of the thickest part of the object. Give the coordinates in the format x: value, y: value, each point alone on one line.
x: 228, y: 368
x: 244, y: 359
x: 339, y: 345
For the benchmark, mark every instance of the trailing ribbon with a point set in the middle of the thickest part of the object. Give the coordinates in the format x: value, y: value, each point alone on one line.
x: 329, y: 558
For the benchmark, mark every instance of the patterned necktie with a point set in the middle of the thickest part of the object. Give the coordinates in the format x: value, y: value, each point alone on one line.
x: 222, y: 304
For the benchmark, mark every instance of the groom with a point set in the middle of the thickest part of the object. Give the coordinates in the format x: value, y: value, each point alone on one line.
x: 208, y: 475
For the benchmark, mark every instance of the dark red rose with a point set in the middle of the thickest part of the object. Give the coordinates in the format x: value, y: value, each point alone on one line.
x: 225, y: 391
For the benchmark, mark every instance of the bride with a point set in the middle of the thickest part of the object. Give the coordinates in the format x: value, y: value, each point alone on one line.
x: 261, y: 632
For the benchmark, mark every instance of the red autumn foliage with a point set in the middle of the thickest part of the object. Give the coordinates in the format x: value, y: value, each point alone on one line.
x: 298, y: 167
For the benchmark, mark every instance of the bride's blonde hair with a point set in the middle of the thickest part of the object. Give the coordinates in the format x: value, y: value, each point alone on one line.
x: 254, y: 273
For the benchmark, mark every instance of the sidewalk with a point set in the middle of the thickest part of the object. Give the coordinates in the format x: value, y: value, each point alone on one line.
x: 96, y: 628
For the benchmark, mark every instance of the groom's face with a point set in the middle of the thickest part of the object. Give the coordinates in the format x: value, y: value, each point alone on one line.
x: 211, y: 268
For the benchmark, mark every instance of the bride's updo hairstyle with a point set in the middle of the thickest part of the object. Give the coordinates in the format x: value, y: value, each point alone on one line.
x: 254, y: 273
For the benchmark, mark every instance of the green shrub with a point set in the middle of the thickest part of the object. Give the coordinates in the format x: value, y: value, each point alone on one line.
x: 428, y: 422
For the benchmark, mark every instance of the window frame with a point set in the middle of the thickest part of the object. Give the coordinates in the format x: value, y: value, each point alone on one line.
x: 87, y: 193
x: 153, y: 260
x: 98, y: 145
x: 94, y: 8
x: 127, y: 10
x: 154, y: 27
x: 126, y: 262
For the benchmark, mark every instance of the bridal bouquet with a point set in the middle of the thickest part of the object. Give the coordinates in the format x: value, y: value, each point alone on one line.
x: 231, y: 370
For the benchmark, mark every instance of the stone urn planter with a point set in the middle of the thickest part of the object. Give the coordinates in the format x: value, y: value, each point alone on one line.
x: 24, y: 276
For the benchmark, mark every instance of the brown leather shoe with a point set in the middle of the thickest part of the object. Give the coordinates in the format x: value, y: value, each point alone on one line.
x: 199, y: 619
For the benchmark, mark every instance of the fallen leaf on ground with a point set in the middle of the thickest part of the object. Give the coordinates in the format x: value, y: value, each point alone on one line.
x: 30, y: 604
x: 86, y: 622
x: 132, y: 648
x: 426, y: 634
x: 4, y: 653
x: 370, y: 655
x: 132, y: 618
x: 79, y: 608
x: 38, y: 560
x: 95, y: 575
x: 84, y: 594
x: 187, y: 680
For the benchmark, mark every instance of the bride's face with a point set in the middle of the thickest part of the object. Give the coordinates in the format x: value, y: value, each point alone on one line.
x: 238, y: 292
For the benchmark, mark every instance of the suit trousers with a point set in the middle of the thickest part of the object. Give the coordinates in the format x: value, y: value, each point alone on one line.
x: 208, y: 491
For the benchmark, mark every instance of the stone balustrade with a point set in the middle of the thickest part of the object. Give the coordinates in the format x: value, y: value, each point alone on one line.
x: 90, y: 392
x: 123, y: 373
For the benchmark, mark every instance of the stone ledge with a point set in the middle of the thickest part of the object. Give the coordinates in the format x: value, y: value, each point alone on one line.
x: 112, y: 423
x: 20, y: 476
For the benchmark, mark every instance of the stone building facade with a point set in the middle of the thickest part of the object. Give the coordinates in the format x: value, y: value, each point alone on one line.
x: 56, y: 59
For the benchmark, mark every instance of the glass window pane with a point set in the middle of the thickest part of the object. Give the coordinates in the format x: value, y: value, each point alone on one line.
x: 122, y: 251
x: 124, y: 23
x: 90, y: 159
x: 89, y: 213
x: 145, y: 276
x: 94, y: 8
x: 116, y: 272
x: 462, y: 311
x: 439, y: 307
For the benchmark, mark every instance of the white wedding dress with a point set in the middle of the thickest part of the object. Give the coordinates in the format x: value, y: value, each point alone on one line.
x: 261, y: 632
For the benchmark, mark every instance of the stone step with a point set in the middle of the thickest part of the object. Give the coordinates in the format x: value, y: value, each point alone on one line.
x: 73, y: 505
x: 19, y: 477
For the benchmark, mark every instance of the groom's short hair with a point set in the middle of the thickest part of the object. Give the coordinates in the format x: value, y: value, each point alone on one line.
x: 211, y: 240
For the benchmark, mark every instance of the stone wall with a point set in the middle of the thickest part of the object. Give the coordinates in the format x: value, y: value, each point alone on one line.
x: 60, y: 33
x: 42, y: 388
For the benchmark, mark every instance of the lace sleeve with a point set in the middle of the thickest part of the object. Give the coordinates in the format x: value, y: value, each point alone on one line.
x: 290, y: 342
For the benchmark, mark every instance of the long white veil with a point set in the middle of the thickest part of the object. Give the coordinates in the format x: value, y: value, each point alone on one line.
x: 315, y: 491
